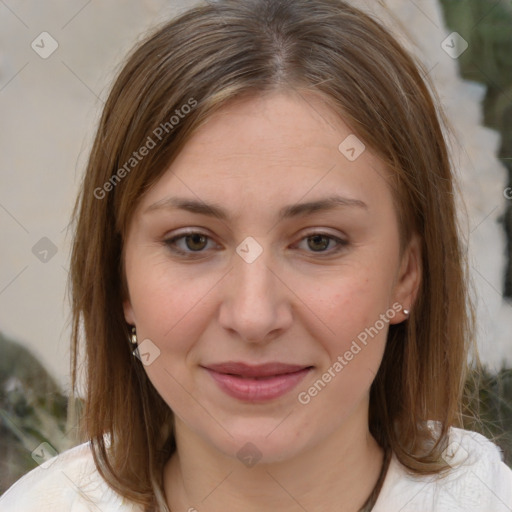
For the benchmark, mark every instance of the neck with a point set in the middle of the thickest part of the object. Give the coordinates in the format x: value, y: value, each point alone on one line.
x: 337, y: 474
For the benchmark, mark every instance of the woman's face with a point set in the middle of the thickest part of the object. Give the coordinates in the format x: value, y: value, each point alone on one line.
x: 273, y: 278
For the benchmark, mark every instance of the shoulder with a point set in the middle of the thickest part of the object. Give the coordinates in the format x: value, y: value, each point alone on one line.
x: 68, y: 481
x: 478, y: 480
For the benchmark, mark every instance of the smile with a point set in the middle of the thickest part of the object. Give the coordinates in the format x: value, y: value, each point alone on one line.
x: 256, y: 383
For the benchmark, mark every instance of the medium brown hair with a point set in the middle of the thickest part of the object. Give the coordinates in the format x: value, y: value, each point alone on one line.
x: 235, y: 48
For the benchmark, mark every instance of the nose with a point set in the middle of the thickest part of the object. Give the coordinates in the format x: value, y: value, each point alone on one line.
x: 256, y: 303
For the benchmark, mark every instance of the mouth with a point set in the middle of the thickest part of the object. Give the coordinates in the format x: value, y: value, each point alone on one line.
x: 256, y: 383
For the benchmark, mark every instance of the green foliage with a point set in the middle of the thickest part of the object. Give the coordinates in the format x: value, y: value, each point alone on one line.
x: 487, y: 27
x: 488, y: 407
x: 32, y: 410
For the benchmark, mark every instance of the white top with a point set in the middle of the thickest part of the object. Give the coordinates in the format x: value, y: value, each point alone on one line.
x: 478, y: 482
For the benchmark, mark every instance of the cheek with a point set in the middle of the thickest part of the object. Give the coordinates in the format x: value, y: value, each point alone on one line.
x: 348, y: 301
x: 353, y: 345
x: 348, y: 308
x: 170, y: 306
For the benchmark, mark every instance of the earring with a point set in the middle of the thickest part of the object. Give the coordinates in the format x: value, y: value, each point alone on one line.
x: 133, y: 337
x: 406, y: 312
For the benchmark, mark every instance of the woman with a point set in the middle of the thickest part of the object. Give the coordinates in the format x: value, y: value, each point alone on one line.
x: 271, y: 281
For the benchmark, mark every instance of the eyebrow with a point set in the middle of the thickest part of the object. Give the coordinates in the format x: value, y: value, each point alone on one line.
x: 295, y: 210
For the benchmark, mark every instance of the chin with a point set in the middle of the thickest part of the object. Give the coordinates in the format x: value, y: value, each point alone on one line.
x: 257, y: 443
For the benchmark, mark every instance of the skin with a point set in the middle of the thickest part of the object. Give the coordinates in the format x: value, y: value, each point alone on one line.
x: 299, y: 302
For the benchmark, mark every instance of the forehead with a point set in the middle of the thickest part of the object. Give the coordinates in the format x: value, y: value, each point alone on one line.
x: 270, y: 149
x: 285, y: 124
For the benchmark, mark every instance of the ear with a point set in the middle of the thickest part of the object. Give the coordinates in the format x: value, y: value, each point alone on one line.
x: 408, y: 279
x: 129, y: 315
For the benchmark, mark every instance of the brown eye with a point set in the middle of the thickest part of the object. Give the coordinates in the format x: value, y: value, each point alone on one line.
x: 318, y: 242
x: 194, y: 243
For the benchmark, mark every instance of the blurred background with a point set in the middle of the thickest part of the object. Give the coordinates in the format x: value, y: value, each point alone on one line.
x: 57, y: 61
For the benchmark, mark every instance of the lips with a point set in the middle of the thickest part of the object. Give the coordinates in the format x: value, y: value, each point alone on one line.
x: 255, y: 371
x: 256, y: 383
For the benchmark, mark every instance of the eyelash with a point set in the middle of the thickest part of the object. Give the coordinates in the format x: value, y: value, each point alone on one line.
x: 170, y: 243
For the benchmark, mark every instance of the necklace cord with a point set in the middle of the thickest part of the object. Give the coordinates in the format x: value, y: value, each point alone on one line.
x: 372, y: 498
